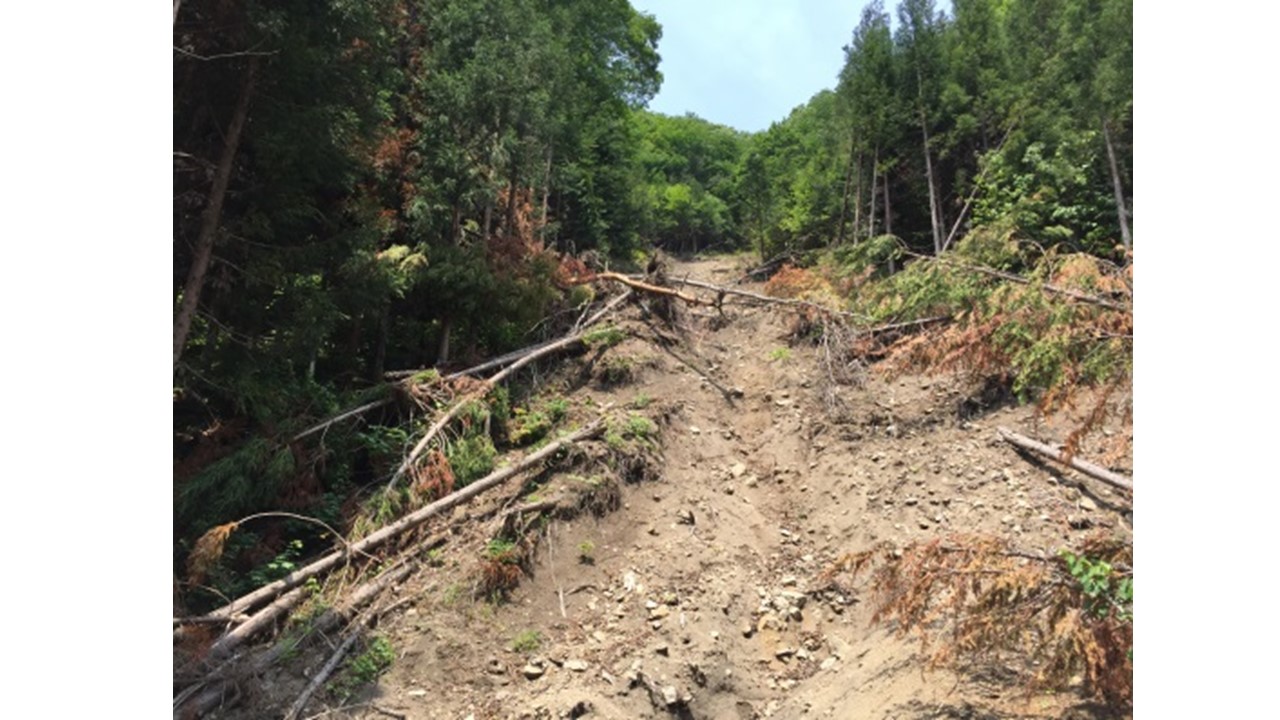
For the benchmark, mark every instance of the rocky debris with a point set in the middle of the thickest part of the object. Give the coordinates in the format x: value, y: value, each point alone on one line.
x: 664, y: 696
x: 534, y: 669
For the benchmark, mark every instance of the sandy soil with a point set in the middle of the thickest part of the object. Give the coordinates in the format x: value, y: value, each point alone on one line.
x: 698, y: 597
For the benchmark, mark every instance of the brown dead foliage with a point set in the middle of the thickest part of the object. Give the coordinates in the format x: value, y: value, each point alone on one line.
x: 207, y: 552
x: 1074, y: 358
x: 976, y: 600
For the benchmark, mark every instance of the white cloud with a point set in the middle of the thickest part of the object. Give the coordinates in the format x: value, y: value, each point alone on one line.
x: 748, y: 63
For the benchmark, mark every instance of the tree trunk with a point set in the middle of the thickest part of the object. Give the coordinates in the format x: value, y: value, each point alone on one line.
x: 871, y: 210
x: 455, y: 226
x: 442, y: 357
x: 380, y: 350
x: 888, y: 212
x: 934, y: 212
x: 546, y: 187
x: 1118, y: 187
x: 511, y: 200
x: 888, y: 220
x: 844, y: 202
x: 212, y: 218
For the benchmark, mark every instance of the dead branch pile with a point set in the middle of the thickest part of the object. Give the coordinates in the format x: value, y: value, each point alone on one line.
x: 975, y: 601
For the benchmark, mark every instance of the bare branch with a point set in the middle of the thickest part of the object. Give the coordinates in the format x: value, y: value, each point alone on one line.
x: 1094, y: 471
x: 222, y: 56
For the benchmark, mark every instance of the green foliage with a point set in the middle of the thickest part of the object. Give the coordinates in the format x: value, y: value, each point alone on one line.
x: 780, y: 354
x: 283, y: 564
x: 240, y: 484
x: 641, y: 401
x: 471, y: 458
x: 527, y: 641
x: 617, y: 370
x: 1106, y: 591
x: 501, y: 550
x: 451, y: 594
x: 688, y: 167
x: 636, y: 428
x: 532, y: 425
x: 586, y: 552
x: 384, y: 442
x: 376, y: 658
x: 605, y: 337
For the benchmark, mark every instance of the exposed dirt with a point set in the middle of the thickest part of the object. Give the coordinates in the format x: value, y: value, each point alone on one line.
x: 697, y: 597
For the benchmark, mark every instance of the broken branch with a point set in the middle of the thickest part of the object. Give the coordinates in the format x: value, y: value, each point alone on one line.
x: 1053, y: 453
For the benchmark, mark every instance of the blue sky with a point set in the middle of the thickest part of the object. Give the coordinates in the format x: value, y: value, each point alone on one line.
x: 748, y: 63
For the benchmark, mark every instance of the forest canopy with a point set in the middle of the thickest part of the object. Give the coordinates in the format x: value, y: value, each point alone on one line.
x: 375, y: 185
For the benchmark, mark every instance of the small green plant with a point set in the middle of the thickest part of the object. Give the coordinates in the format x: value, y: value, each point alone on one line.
x: 532, y: 425
x: 425, y: 377
x: 435, y: 557
x: 780, y: 354
x: 364, y: 668
x: 1102, y: 595
x: 587, y: 552
x: 580, y: 295
x: 640, y: 427
x: 617, y: 371
x: 452, y: 594
x: 500, y: 550
x: 604, y: 337
x: 641, y: 401
x: 471, y: 458
x: 527, y: 641
x: 636, y: 427
x: 283, y: 564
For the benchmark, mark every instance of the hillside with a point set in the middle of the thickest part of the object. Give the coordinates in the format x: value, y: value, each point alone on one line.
x: 703, y: 579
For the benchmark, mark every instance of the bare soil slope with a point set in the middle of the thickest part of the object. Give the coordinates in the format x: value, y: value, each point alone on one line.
x: 699, y: 596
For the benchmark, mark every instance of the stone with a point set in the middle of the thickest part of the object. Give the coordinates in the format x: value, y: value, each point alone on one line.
x: 576, y: 665
x: 533, y: 672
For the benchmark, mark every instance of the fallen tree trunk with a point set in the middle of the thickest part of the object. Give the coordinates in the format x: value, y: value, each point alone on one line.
x: 1053, y: 453
x: 478, y: 394
x: 764, y: 298
x: 1065, y: 292
x: 488, y: 365
x: 640, y: 285
x: 297, y: 577
x: 296, y: 708
x: 211, y: 688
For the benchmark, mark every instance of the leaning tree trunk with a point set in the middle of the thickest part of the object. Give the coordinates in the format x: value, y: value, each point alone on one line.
x: 212, y: 218
x: 933, y: 195
x: 1116, y: 185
